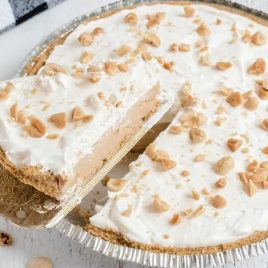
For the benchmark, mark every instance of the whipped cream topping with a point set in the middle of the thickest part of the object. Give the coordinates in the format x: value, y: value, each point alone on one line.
x: 59, y: 148
x: 194, y: 199
x: 223, y: 44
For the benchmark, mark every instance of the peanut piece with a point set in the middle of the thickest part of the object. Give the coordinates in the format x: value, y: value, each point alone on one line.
x: 258, y: 67
x: 58, y: 119
x: 218, y: 201
x: 115, y: 185
x: 85, y: 39
x: 224, y: 165
x: 160, y: 205
x: 234, y: 144
x: 188, y: 12
x: 131, y: 18
x: 197, y: 135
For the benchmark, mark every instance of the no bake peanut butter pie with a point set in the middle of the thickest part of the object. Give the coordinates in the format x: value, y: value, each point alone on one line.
x: 203, y: 182
x: 56, y: 131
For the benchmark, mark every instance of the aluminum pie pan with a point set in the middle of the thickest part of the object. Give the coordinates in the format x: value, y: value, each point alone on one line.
x: 73, y: 231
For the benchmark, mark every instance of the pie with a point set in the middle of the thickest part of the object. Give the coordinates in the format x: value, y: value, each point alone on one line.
x: 201, y: 185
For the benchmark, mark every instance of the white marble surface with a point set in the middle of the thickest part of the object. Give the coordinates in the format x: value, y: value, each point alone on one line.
x: 14, y: 46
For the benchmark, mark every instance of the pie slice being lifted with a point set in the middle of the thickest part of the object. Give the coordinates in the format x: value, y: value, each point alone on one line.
x: 56, y: 132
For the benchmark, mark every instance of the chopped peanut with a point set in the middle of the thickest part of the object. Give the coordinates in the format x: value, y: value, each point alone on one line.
x: 251, y: 167
x: 110, y: 67
x: 94, y: 77
x: 160, y: 205
x: 176, y: 130
x: 152, y: 39
x: 21, y: 118
x: 52, y: 136
x: 195, y: 195
x: 97, y: 31
x: 265, y: 150
x: 123, y: 67
x: 197, y: 135
x: 36, y: 129
x: 204, y: 60
x: 246, y: 38
x: 225, y: 91
x: 160, y: 155
x: 51, y: 69
x: 251, y: 103
x: 199, y: 158
x: 174, y: 47
x: 87, y: 118
x: 168, y: 164
x: 151, y: 151
x: 221, y: 65
x: 123, y: 50
x: 218, y: 201
x: 262, y: 93
x: 176, y: 219
x: 220, y: 183
x: 58, y: 119
x: 115, y: 185
x: 13, y: 111
x: 185, y: 173
x: 93, y: 69
x: 127, y: 212
x: 155, y: 19
x: 184, y: 47
x: 86, y: 57
x: 77, y: 114
x: 131, y: 18
x: 258, y: 67
x: 203, y: 30
x: 146, y: 56
x: 234, y: 99
x: 252, y: 188
x: 4, y: 92
x: 234, y: 144
x: 17, y: 115
x: 85, y: 39
x: 198, y: 212
x: 188, y: 12
x: 258, y: 39
x: 193, y: 119
x: 264, y: 124
x: 169, y: 65
x: 224, y: 165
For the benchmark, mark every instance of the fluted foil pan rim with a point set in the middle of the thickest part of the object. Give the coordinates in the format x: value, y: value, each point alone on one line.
x: 155, y: 259
x: 140, y: 256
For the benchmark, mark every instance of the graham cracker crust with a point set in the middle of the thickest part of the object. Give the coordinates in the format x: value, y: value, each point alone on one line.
x: 33, y: 176
x: 117, y: 238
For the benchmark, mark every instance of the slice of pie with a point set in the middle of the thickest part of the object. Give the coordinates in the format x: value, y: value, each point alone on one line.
x: 56, y: 132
